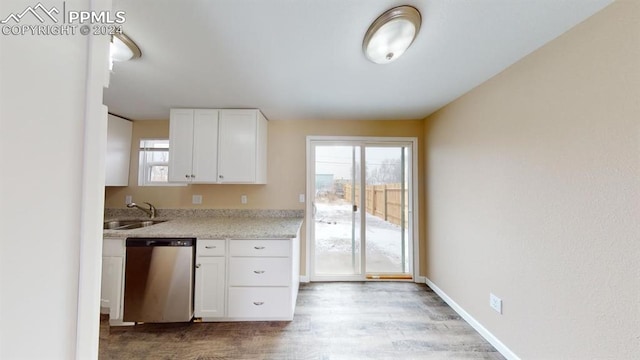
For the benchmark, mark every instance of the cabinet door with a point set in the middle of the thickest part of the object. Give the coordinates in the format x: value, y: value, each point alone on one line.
x: 118, y: 151
x: 237, y: 147
x: 205, y: 146
x: 180, y: 145
x: 111, y: 289
x: 209, y: 287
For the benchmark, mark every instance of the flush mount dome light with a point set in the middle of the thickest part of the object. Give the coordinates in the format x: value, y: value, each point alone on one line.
x: 391, y: 34
x: 122, y: 48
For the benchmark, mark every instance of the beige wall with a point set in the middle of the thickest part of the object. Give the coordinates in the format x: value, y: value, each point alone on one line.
x: 286, y: 168
x: 534, y: 195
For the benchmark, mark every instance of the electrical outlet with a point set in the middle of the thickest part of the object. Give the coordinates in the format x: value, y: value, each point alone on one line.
x: 196, y: 199
x: 495, y: 303
x: 301, y: 198
x: 243, y: 199
x: 128, y: 199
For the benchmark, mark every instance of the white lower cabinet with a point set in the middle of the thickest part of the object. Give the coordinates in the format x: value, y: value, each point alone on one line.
x: 112, y: 286
x: 111, y: 289
x: 263, y: 303
x: 235, y: 280
x: 246, y: 271
x: 261, y: 279
x: 209, y: 297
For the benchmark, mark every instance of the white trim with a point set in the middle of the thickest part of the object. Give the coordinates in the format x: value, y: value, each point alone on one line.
x: 309, y: 210
x: 92, y: 202
x: 415, y: 250
x: 304, y: 279
x: 420, y: 279
x: 415, y: 208
x: 492, y: 339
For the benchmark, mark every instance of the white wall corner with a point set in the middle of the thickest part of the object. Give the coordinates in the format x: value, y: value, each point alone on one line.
x: 502, y: 348
x: 92, y: 203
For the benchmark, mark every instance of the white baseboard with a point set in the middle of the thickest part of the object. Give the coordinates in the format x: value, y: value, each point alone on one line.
x: 502, y: 348
x: 420, y: 279
x: 304, y: 279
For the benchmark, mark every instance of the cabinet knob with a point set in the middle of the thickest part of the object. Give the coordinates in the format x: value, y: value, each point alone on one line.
x: 258, y: 303
x: 258, y: 271
x: 259, y: 247
x: 221, y: 177
x: 210, y: 247
x: 197, y: 266
x: 192, y: 176
x: 187, y: 176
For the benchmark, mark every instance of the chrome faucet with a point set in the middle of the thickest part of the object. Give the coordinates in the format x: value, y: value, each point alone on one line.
x: 151, y: 211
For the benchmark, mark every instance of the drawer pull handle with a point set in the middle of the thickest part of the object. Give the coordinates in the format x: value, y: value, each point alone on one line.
x: 210, y: 247
x: 258, y: 303
x: 259, y: 247
x: 258, y: 271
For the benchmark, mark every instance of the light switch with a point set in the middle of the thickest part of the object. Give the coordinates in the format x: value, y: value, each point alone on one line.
x: 243, y: 199
x: 301, y: 198
x: 196, y: 199
x: 128, y: 199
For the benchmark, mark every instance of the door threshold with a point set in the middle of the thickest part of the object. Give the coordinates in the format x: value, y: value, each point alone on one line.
x: 389, y: 277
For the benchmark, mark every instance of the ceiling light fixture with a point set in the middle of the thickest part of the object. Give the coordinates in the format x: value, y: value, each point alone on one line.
x: 122, y: 48
x: 391, y: 34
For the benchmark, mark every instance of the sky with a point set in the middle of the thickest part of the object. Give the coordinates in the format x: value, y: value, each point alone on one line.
x: 338, y: 160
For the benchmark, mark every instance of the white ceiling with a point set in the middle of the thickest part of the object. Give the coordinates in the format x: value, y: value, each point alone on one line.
x: 302, y: 59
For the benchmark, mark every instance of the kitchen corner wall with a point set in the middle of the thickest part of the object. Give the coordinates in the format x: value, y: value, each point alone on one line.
x: 286, y: 168
x: 533, y: 183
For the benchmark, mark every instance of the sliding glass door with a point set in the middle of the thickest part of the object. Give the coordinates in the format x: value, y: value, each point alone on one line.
x: 360, y: 221
x: 336, y: 212
x: 387, y: 220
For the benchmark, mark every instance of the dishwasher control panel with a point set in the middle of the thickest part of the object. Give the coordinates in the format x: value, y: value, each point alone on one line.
x: 144, y: 242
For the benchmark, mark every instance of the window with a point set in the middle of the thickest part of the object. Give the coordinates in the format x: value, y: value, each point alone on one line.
x: 154, y: 163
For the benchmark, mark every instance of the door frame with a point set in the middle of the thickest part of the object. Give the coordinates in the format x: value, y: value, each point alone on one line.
x: 414, y: 214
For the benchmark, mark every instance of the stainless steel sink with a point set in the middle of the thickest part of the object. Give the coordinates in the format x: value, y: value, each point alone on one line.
x: 129, y: 224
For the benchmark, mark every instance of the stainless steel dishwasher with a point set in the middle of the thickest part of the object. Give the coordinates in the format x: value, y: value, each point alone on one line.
x: 158, y: 284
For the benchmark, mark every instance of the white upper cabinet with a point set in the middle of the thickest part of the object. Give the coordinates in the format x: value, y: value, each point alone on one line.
x: 180, y: 145
x: 218, y: 146
x: 193, y: 145
x: 242, y: 149
x: 118, y: 151
x: 205, y: 146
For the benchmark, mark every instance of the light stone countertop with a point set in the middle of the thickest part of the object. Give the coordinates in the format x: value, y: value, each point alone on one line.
x: 214, y: 227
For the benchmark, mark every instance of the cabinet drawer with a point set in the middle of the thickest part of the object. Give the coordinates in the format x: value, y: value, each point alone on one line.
x: 113, y: 247
x: 254, y: 302
x: 210, y: 247
x: 260, y: 247
x: 246, y: 271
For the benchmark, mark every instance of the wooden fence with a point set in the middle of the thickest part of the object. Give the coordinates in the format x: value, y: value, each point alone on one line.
x: 383, y: 201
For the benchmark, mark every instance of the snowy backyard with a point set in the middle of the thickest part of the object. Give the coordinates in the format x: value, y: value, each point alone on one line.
x: 333, y: 234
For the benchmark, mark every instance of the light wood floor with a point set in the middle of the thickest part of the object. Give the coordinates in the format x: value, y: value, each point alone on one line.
x: 355, y: 320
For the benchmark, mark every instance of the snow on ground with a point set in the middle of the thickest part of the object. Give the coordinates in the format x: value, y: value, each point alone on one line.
x: 333, y: 232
